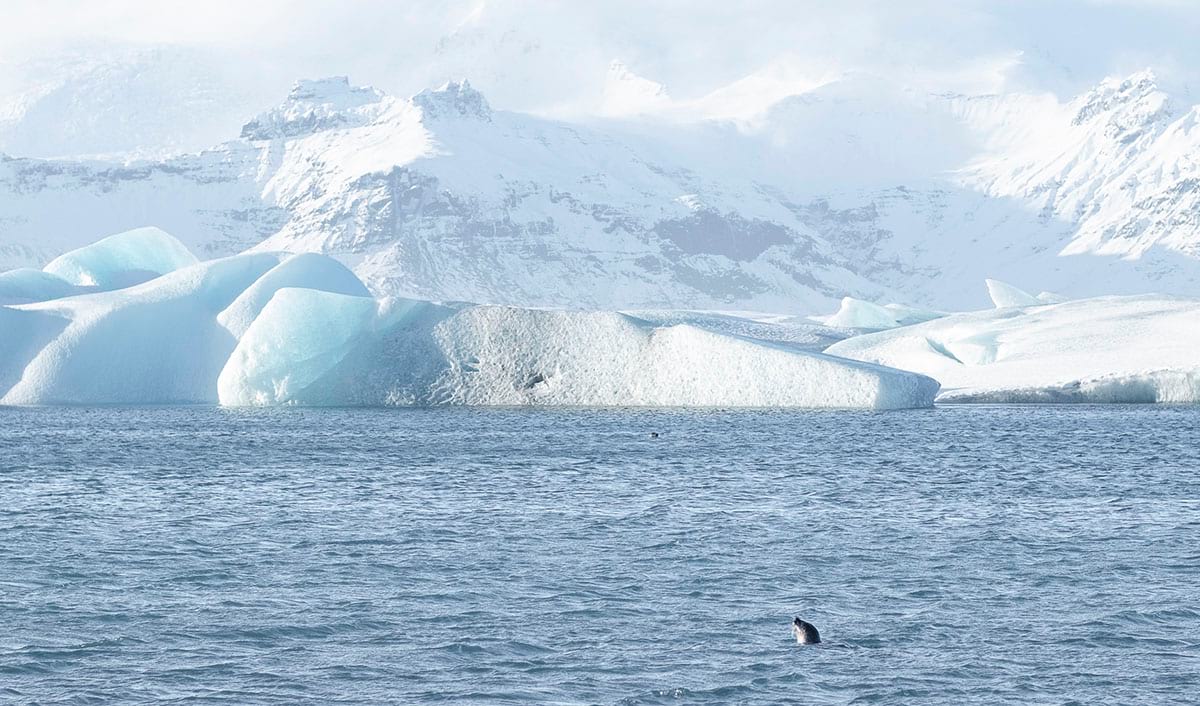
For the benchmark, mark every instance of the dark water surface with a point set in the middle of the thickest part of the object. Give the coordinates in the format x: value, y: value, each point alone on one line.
x: 958, y: 555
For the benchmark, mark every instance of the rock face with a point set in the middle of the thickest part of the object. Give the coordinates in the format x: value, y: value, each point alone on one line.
x: 442, y: 197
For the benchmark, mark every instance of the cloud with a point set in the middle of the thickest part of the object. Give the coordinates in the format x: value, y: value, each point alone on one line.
x: 553, y: 56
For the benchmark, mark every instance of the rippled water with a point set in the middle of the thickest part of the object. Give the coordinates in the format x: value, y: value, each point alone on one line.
x: 957, y: 555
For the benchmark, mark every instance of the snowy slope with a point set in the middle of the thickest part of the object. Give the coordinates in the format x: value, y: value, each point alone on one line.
x: 854, y: 187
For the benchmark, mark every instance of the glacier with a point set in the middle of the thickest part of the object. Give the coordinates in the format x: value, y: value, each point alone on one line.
x: 269, y: 328
x: 1102, y: 349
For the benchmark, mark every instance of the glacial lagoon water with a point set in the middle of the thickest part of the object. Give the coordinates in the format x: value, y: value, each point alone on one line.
x: 949, y: 556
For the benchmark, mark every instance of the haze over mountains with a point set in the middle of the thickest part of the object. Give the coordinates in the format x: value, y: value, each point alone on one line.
x: 751, y: 199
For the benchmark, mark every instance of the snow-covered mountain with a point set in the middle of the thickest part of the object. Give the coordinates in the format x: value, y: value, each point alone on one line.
x: 855, y: 187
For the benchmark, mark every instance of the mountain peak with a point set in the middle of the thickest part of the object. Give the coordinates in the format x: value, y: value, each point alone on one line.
x: 453, y: 99
x: 315, y: 105
x: 1127, y: 107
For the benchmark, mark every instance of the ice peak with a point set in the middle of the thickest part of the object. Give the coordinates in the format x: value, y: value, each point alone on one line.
x: 453, y: 99
x: 314, y: 105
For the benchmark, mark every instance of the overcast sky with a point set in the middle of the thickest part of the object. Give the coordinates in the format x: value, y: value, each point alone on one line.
x: 238, y: 57
x: 530, y: 54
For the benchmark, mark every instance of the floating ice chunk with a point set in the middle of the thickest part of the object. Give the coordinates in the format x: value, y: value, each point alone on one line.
x: 1005, y: 295
x: 857, y: 313
x: 27, y: 285
x: 306, y: 270
x: 1107, y: 349
x: 122, y: 260
x: 318, y: 348
x: 157, y: 342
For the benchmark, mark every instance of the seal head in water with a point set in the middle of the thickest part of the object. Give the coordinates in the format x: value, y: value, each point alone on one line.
x: 806, y: 633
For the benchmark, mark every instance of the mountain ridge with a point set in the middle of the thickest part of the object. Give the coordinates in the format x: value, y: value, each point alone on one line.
x: 442, y: 196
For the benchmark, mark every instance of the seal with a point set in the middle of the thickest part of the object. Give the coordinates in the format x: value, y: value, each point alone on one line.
x: 806, y: 633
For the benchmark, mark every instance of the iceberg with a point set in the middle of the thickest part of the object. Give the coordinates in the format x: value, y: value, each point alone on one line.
x: 318, y: 348
x: 1005, y: 296
x: 859, y: 314
x: 306, y: 270
x: 27, y: 285
x: 154, y: 343
x: 274, y: 328
x: 122, y: 260
x: 1105, y: 349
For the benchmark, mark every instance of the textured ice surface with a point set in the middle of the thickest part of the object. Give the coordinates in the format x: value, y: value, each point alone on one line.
x: 122, y: 260
x: 317, y: 348
x: 26, y: 285
x: 1106, y: 349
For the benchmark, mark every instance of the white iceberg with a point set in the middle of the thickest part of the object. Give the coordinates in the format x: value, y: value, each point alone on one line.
x: 269, y: 328
x: 860, y: 314
x: 122, y: 260
x: 1106, y: 349
x: 317, y: 348
x: 857, y: 313
x: 1005, y: 296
